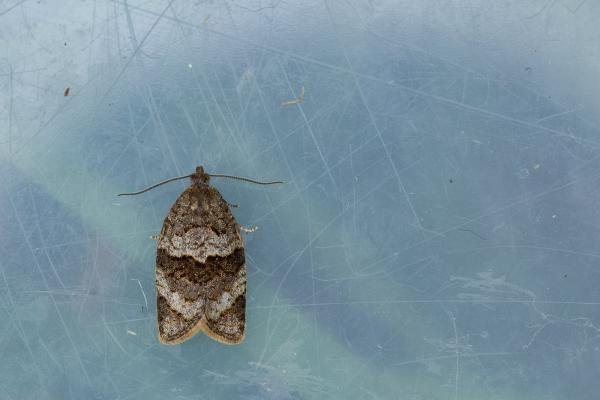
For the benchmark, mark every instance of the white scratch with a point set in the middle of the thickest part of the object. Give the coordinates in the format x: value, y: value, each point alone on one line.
x: 143, y: 293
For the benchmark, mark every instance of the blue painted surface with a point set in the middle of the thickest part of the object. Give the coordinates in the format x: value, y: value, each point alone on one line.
x: 435, y: 238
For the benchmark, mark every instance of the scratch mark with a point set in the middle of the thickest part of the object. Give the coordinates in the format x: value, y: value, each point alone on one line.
x: 10, y: 111
x: 548, y: 5
x: 472, y: 355
x: 43, y: 240
x: 372, y: 78
x: 473, y: 232
x: 113, y: 337
x: 299, y: 254
x: 12, y: 7
x: 45, y: 281
x: 577, y: 7
x: 457, y: 354
x: 137, y: 49
x: 557, y: 115
x: 386, y: 151
x: 312, y: 134
x: 143, y: 293
x: 19, y: 324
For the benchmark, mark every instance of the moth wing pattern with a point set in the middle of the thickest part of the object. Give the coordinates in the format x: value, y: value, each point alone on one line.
x: 200, y: 269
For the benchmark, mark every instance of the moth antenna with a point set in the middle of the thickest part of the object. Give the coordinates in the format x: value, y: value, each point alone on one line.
x: 240, y: 178
x: 155, y: 185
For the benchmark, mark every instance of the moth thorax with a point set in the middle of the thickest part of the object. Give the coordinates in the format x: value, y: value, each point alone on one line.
x: 200, y: 178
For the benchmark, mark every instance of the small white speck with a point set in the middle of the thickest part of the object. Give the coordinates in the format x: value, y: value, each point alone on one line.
x: 476, y: 141
x: 132, y: 333
x: 536, y: 166
x: 116, y: 204
x: 523, y: 173
x: 380, y: 347
x: 189, y: 65
x: 499, y: 227
x: 554, y: 216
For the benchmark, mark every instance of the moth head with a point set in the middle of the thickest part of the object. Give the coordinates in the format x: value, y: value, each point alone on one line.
x: 200, y: 177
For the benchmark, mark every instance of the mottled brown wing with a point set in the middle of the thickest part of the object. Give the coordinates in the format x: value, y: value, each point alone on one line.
x: 200, y: 270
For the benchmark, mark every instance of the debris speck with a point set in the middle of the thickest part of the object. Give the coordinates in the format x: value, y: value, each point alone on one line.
x: 297, y: 100
x: 67, y: 90
x: 523, y: 173
x: 189, y: 65
x: 132, y: 333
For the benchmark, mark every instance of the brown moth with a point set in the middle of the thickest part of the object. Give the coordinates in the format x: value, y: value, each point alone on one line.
x: 200, y: 266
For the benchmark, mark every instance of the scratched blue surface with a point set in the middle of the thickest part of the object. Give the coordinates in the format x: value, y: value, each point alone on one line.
x: 436, y: 236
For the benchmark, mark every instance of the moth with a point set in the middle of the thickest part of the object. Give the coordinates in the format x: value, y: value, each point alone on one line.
x: 200, y: 265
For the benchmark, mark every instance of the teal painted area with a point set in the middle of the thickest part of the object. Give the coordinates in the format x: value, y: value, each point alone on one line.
x: 434, y: 238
